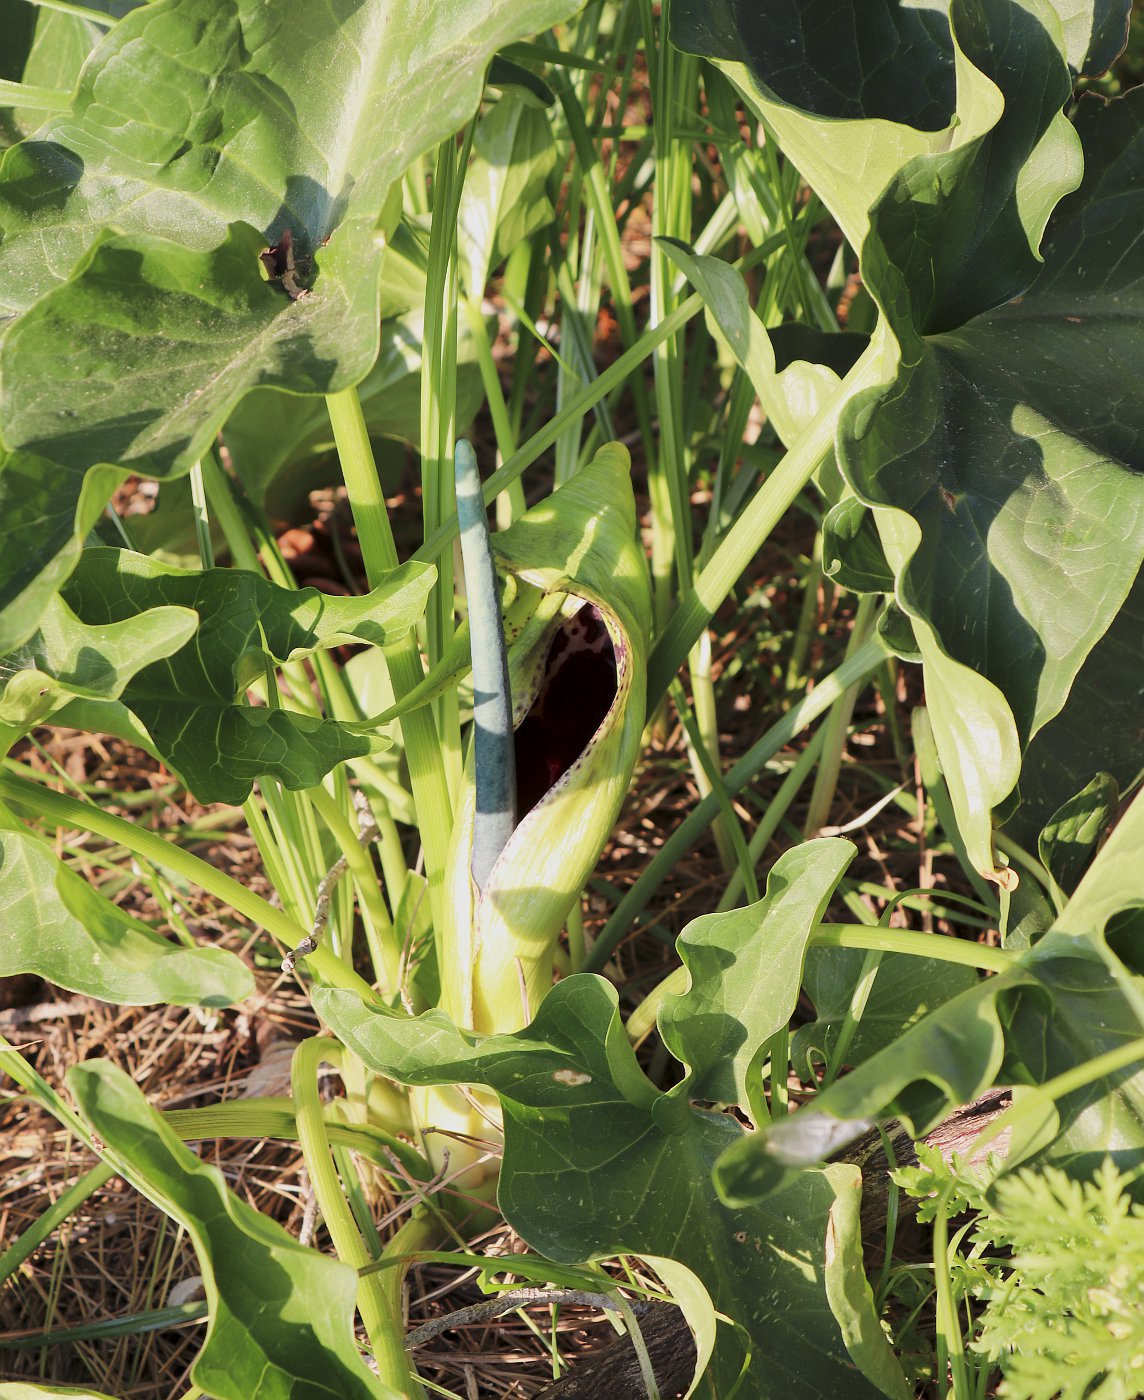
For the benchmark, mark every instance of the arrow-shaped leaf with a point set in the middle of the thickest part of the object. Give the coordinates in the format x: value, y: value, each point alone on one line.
x: 189, y: 704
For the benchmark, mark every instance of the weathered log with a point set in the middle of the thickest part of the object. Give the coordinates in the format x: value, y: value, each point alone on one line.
x: 613, y: 1373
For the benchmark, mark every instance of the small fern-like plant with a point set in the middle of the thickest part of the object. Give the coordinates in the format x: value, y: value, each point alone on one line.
x: 1068, y: 1318
x: 1050, y: 1269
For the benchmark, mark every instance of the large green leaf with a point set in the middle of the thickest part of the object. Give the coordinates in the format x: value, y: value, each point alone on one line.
x: 848, y: 85
x: 58, y: 927
x: 189, y: 704
x: 131, y: 226
x: 992, y: 472
x: 1006, y: 463
x: 1064, y: 1002
x: 281, y: 1315
x: 855, y: 89
x: 598, y: 1162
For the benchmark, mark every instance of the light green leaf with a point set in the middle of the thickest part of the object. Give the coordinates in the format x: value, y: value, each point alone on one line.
x: 281, y: 1315
x: 791, y: 397
x: 1070, y: 836
x: 598, y: 1162
x: 504, y: 200
x: 22, y: 1390
x: 198, y: 135
x: 66, y: 658
x: 745, y: 968
x: 990, y: 476
x: 851, y: 1298
x: 1067, y: 1000
x: 58, y: 927
x: 189, y: 704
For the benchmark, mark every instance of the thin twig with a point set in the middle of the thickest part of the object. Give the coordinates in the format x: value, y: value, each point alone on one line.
x: 508, y: 1302
x: 367, y: 832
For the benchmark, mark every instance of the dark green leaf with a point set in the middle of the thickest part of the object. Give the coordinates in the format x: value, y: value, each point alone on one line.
x: 834, y: 58
x: 598, y: 1162
x: 1095, y: 32
x: 190, y: 704
x: 58, y: 927
x: 852, y: 552
x: 1100, y: 728
x: 1064, y: 1002
x: 1008, y: 465
x: 281, y: 1315
x: 905, y: 989
x: 66, y: 658
x: 522, y: 82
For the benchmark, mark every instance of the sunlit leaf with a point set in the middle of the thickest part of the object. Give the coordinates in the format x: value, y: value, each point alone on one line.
x: 504, y: 200
x: 66, y: 658
x: 281, y: 1315
x: 745, y: 970
x: 60, y: 928
x: 198, y: 136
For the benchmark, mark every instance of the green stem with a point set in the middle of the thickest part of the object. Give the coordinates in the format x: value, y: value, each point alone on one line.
x: 797, y: 718
x: 777, y: 809
x: 275, y: 1118
x: 220, y: 495
x: 202, y: 519
x: 86, y: 816
x: 423, y: 1230
x: 375, y: 1304
x: 742, y: 541
x: 418, y: 728
x: 384, y: 951
x: 64, y: 7
x: 950, y: 1348
x: 940, y: 947
x: 837, y: 726
x: 582, y: 403
x: 807, y: 616
x: 726, y: 826
x: 16, y: 1067
x: 1079, y: 1077
x: 574, y: 409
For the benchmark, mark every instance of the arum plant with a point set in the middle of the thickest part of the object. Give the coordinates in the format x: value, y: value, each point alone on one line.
x: 576, y: 676
x: 556, y: 734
